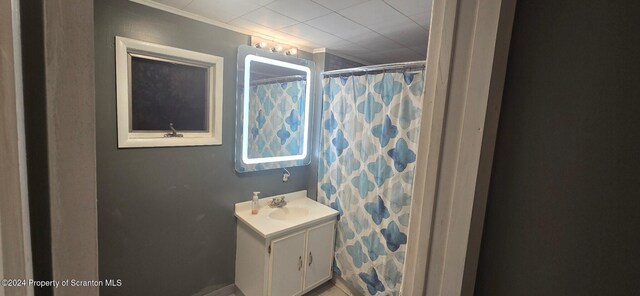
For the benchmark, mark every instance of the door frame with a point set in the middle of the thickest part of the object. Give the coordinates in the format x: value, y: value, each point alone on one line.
x: 70, y: 104
x: 466, y: 65
x: 15, y: 256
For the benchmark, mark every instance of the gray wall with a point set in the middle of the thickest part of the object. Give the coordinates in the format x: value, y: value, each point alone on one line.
x: 334, y: 62
x: 564, y: 205
x: 166, y: 224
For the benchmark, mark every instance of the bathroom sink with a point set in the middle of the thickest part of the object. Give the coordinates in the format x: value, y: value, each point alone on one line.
x: 299, y: 212
x: 289, y: 213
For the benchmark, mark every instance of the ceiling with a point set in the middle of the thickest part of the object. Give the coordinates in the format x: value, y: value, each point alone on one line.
x: 372, y: 31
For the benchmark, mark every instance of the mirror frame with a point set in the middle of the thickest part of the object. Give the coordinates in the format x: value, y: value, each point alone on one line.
x: 245, y: 125
x: 246, y: 55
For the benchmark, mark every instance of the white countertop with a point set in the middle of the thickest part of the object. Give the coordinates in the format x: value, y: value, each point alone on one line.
x: 268, y: 227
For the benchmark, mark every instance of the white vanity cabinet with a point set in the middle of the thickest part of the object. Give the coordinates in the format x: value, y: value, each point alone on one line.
x: 301, y: 261
x: 286, y: 269
x: 283, y: 257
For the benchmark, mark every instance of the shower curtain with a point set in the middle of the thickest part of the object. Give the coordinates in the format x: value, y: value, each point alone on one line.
x: 368, y: 144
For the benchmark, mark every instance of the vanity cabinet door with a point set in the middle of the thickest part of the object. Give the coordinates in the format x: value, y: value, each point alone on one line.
x: 320, y: 246
x: 287, y: 265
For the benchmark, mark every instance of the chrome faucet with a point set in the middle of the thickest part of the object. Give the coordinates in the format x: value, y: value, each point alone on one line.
x: 278, y: 202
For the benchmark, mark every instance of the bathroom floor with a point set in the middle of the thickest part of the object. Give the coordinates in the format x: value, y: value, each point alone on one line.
x: 328, y: 289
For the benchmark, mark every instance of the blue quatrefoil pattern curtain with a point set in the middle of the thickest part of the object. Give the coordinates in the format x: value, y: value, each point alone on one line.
x: 276, y: 119
x: 368, y: 152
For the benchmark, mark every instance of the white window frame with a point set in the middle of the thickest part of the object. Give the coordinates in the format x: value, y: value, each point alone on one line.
x: 127, y: 138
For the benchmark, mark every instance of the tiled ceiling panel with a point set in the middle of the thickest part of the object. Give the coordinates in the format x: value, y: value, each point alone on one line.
x: 221, y: 10
x: 336, y: 5
x: 374, y: 31
x: 260, y: 2
x: 422, y: 19
x: 411, y: 7
x: 373, y: 14
x: 175, y: 3
x: 302, y: 30
x: 340, y: 26
x: 269, y: 18
x: 300, y: 10
x: 405, y: 32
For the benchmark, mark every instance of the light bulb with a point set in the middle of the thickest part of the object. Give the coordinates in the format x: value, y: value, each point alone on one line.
x: 277, y: 48
x: 292, y: 51
x: 261, y: 44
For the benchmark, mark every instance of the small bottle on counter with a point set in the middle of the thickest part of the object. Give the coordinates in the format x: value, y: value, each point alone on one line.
x: 255, y: 207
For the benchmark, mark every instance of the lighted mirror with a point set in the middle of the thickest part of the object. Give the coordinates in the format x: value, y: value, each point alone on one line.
x: 273, y: 102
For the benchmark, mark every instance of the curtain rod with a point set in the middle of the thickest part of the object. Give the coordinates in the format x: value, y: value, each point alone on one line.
x: 374, y: 68
x: 279, y: 79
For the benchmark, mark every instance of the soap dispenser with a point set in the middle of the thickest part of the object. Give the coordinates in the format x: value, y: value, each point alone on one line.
x: 254, y: 204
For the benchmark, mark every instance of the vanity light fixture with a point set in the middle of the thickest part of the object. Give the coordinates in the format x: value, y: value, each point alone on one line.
x: 274, y: 46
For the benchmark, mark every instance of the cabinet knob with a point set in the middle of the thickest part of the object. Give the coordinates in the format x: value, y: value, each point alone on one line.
x: 299, y: 263
x: 310, y: 258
